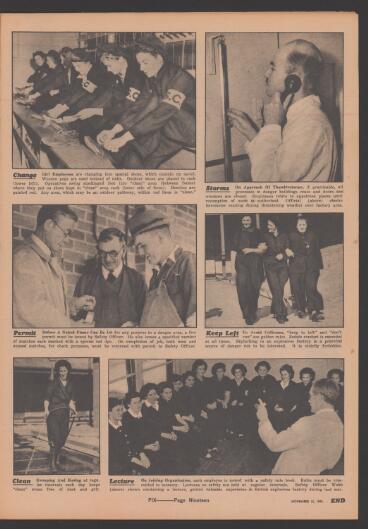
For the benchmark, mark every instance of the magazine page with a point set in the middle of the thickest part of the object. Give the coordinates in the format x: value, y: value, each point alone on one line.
x: 179, y: 295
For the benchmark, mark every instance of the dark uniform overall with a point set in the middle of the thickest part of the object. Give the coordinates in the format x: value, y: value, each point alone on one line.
x: 276, y: 271
x: 54, y: 80
x: 303, y: 408
x: 138, y: 436
x: 120, y: 453
x: 40, y: 72
x: 249, y: 272
x: 220, y: 387
x: 304, y: 271
x: 204, y: 394
x: 117, y: 100
x: 118, y: 300
x: 179, y: 399
x: 179, y: 453
x: 187, y: 401
x: 163, y: 122
x: 286, y: 398
x: 172, y: 296
x: 59, y: 397
x: 241, y: 420
x: 262, y: 388
x: 97, y: 81
x: 161, y: 462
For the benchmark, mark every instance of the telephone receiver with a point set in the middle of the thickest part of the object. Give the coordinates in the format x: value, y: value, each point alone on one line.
x: 292, y: 85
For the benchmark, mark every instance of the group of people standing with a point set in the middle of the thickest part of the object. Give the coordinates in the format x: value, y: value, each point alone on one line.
x: 167, y: 428
x: 131, y: 103
x: 278, y: 256
x: 108, y: 293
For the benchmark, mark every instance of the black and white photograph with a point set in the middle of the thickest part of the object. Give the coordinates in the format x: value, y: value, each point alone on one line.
x: 274, y: 270
x: 231, y: 417
x: 56, y: 416
x: 104, y: 100
x: 274, y: 107
x: 104, y: 265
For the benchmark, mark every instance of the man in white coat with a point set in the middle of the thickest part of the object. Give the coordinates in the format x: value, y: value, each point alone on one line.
x: 39, y: 285
x: 296, y: 142
x: 312, y: 444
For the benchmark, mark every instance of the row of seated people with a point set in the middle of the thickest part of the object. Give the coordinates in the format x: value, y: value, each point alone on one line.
x: 167, y: 428
x: 128, y: 103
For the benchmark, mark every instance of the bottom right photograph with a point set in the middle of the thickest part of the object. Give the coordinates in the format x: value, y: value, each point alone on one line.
x: 281, y: 416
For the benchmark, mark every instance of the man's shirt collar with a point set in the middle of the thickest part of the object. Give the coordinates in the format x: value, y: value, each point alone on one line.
x: 304, y: 105
x: 116, y: 273
x: 41, y: 245
x: 323, y: 410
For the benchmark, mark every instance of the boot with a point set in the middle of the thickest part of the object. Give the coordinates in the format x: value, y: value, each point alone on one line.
x: 52, y: 465
x: 57, y: 462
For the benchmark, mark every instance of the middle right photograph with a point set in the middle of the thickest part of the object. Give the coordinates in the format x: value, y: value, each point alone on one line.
x: 274, y: 270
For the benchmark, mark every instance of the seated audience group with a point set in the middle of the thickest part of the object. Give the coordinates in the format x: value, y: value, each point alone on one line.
x: 169, y: 428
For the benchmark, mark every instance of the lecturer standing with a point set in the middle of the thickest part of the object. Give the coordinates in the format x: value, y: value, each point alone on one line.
x: 313, y: 444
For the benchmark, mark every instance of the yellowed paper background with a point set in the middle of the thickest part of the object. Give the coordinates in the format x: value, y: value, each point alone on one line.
x: 105, y: 504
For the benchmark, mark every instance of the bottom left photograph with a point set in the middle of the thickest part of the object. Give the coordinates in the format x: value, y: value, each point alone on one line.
x: 56, y: 415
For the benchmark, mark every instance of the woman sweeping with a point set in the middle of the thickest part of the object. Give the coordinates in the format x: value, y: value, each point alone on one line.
x: 59, y: 403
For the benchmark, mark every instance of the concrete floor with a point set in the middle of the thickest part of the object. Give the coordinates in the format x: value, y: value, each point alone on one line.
x: 222, y: 307
x: 238, y: 457
x: 246, y: 458
x: 79, y: 456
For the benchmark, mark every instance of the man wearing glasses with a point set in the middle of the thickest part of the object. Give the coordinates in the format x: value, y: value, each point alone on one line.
x: 39, y: 285
x: 119, y: 291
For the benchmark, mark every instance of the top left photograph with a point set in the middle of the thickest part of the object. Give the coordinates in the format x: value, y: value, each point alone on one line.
x: 104, y: 100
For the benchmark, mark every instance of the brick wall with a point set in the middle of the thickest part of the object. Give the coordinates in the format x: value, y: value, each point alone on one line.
x: 81, y: 246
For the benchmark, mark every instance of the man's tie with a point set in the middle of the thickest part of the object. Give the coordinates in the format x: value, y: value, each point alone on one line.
x: 111, y: 278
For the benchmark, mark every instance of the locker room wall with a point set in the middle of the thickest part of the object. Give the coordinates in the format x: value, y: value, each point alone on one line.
x: 25, y: 43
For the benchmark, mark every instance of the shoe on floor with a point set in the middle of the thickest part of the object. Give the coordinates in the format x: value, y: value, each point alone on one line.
x: 316, y: 317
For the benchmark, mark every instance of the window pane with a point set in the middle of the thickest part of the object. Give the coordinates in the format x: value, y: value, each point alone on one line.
x: 118, y: 384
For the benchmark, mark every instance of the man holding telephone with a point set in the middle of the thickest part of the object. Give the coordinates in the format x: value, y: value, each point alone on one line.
x: 296, y: 142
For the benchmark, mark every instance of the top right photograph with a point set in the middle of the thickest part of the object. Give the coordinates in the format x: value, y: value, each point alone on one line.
x: 274, y: 107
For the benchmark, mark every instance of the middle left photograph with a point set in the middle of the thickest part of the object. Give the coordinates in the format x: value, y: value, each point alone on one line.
x: 105, y: 266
